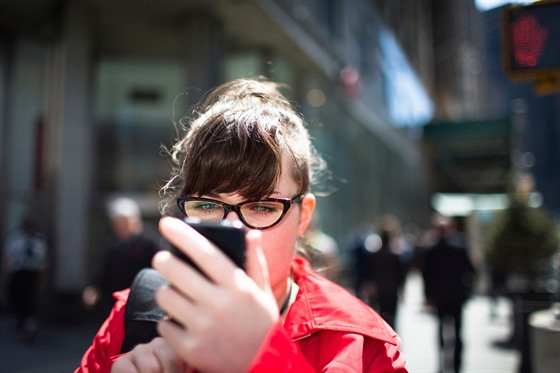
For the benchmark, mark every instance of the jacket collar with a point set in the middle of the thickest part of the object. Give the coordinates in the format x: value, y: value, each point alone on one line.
x: 322, y: 305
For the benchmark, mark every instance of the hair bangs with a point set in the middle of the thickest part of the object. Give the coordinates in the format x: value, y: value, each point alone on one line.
x: 233, y: 159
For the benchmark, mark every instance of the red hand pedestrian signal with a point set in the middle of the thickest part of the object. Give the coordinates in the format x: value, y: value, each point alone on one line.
x: 531, y: 40
x: 528, y: 38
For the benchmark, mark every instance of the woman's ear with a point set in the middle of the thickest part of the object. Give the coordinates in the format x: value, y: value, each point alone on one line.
x: 307, y: 207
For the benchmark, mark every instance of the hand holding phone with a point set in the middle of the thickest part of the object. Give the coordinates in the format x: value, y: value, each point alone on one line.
x: 212, y: 311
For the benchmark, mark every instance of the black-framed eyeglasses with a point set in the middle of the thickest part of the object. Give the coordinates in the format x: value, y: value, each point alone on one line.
x: 259, y: 213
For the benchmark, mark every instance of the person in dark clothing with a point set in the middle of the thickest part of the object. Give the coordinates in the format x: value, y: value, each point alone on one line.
x: 25, y: 259
x: 357, y: 251
x: 384, y: 275
x: 448, y: 280
x: 130, y: 249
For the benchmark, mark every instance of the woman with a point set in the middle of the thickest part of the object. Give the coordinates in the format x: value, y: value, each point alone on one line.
x: 247, y: 143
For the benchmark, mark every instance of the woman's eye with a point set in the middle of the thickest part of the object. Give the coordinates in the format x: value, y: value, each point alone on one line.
x: 208, y: 206
x: 263, y: 208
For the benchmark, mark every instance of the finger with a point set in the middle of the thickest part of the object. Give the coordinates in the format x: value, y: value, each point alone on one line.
x: 124, y: 365
x: 190, y: 348
x: 177, y: 338
x: 183, y: 277
x: 167, y: 357
x: 215, y: 264
x: 179, y: 308
x: 144, y: 359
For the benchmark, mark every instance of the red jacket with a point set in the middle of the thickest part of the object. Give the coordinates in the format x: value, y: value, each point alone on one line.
x: 326, y: 330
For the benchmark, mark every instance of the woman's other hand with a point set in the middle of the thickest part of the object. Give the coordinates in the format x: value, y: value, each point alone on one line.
x: 153, y: 357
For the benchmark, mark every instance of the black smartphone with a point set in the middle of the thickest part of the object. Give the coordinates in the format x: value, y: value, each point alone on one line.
x: 228, y: 236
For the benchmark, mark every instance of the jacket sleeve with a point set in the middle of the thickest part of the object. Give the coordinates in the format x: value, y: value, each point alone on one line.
x: 278, y: 353
x: 106, y: 345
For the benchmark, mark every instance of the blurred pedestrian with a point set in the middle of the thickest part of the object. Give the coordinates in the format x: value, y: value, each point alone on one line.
x: 131, y: 248
x: 357, y: 250
x: 25, y: 258
x: 384, y: 275
x: 497, y: 289
x: 398, y: 243
x: 448, y: 281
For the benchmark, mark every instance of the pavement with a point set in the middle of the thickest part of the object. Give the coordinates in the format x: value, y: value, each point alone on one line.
x: 58, y: 346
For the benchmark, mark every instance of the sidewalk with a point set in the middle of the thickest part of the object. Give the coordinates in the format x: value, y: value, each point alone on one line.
x: 418, y: 331
x: 59, y: 347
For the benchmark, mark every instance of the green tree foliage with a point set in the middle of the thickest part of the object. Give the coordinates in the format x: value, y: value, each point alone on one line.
x: 520, y: 239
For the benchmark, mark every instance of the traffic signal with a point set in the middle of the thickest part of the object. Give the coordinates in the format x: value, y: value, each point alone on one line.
x: 531, y: 40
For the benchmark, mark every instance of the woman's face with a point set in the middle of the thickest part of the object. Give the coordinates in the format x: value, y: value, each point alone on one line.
x: 279, y: 242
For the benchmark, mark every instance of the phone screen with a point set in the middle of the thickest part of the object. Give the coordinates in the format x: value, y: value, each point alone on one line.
x: 228, y: 236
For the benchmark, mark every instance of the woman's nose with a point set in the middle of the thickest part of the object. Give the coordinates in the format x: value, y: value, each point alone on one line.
x: 232, y: 216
